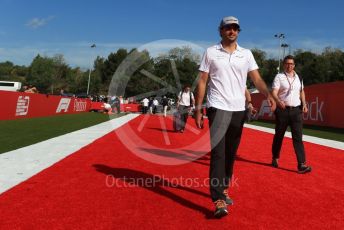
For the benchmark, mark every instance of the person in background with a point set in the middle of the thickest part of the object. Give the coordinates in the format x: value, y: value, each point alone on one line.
x: 165, y: 105
x: 287, y: 89
x: 24, y: 88
x: 185, y: 102
x: 31, y: 89
x: 155, y: 105
x: 117, y: 104
x: 112, y: 103
x: 145, y: 103
x: 150, y: 105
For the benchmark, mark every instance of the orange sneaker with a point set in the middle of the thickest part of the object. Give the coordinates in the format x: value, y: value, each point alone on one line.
x: 220, y: 209
x: 228, y: 200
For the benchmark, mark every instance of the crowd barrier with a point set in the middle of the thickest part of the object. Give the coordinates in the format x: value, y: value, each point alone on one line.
x: 16, y: 105
x: 324, y: 101
x: 131, y: 107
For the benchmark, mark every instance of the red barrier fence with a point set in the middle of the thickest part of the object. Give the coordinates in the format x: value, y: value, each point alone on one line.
x: 324, y: 101
x: 99, y: 106
x: 131, y: 107
x: 16, y: 105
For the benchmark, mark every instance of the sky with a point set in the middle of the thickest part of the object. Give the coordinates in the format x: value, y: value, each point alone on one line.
x: 29, y: 28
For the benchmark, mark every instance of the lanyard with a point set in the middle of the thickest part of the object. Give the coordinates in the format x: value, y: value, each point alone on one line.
x: 290, y: 83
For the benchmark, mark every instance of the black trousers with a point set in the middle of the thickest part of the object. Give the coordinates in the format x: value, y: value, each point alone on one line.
x: 118, y: 108
x: 291, y: 116
x: 144, y: 109
x: 225, y: 134
x: 184, y: 112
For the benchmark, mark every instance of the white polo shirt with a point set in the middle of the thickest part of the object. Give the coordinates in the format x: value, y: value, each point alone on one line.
x: 155, y: 102
x: 227, y: 76
x: 184, y: 98
x: 145, y: 102
x: 288, y: 88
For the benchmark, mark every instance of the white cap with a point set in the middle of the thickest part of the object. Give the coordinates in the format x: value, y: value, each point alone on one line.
x: 229, y: 21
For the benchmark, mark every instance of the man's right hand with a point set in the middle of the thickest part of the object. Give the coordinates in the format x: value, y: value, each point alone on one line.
x: 281, y: 104
x: 271, y: 102
x: 198, y: 119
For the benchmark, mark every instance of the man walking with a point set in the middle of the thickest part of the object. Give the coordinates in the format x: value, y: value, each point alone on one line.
x: 186, y: 100
x: 165, y: 105
x: 145, y: 103
x: 287, y: 89
x: 226, y: 66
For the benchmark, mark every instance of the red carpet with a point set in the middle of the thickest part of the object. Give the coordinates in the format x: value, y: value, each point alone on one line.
x: 105, y: 186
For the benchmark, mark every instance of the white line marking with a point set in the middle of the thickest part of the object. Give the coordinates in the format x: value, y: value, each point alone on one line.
x: 164, y: 133
x: 311, y: 139
x: 142, y: 123
x: 19, y: 165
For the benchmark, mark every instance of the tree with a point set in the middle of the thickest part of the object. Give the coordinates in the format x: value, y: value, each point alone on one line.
x: 260, y: 57
x: 269, y: 71
x: 11, y: 72
x: 6, y: 69
x: 96, y: 84
x: 48, y: 73
x: 130, y: 79
x: 333, y: 61
x: 19, y: 71
x: 77, y: 81
x: 41, y: 72
x: 182, y: 53
x: 178, y: 65
x: 60, y: 73
x: 111, y: 64
x: 307, y: 66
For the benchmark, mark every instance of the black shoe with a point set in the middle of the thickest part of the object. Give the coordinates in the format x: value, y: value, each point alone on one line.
x: 228, y: 200
x: 302, y: 169
x: 220, y: 209
x: 274, y: 163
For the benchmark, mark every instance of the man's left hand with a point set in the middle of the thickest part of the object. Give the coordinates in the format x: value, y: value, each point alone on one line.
x: 198, y: 119
x: 304, y: 109
x: 271, y: 102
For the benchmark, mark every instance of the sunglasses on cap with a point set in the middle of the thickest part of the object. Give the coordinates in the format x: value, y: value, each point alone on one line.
x: 231, y: 27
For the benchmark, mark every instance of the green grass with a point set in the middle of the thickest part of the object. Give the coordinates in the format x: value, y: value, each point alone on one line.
x: 336, y: 134
x: 18, y: 133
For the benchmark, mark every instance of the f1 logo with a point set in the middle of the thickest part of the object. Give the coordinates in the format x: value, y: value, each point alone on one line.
x: 265, y: 108
x: 63, y: 105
